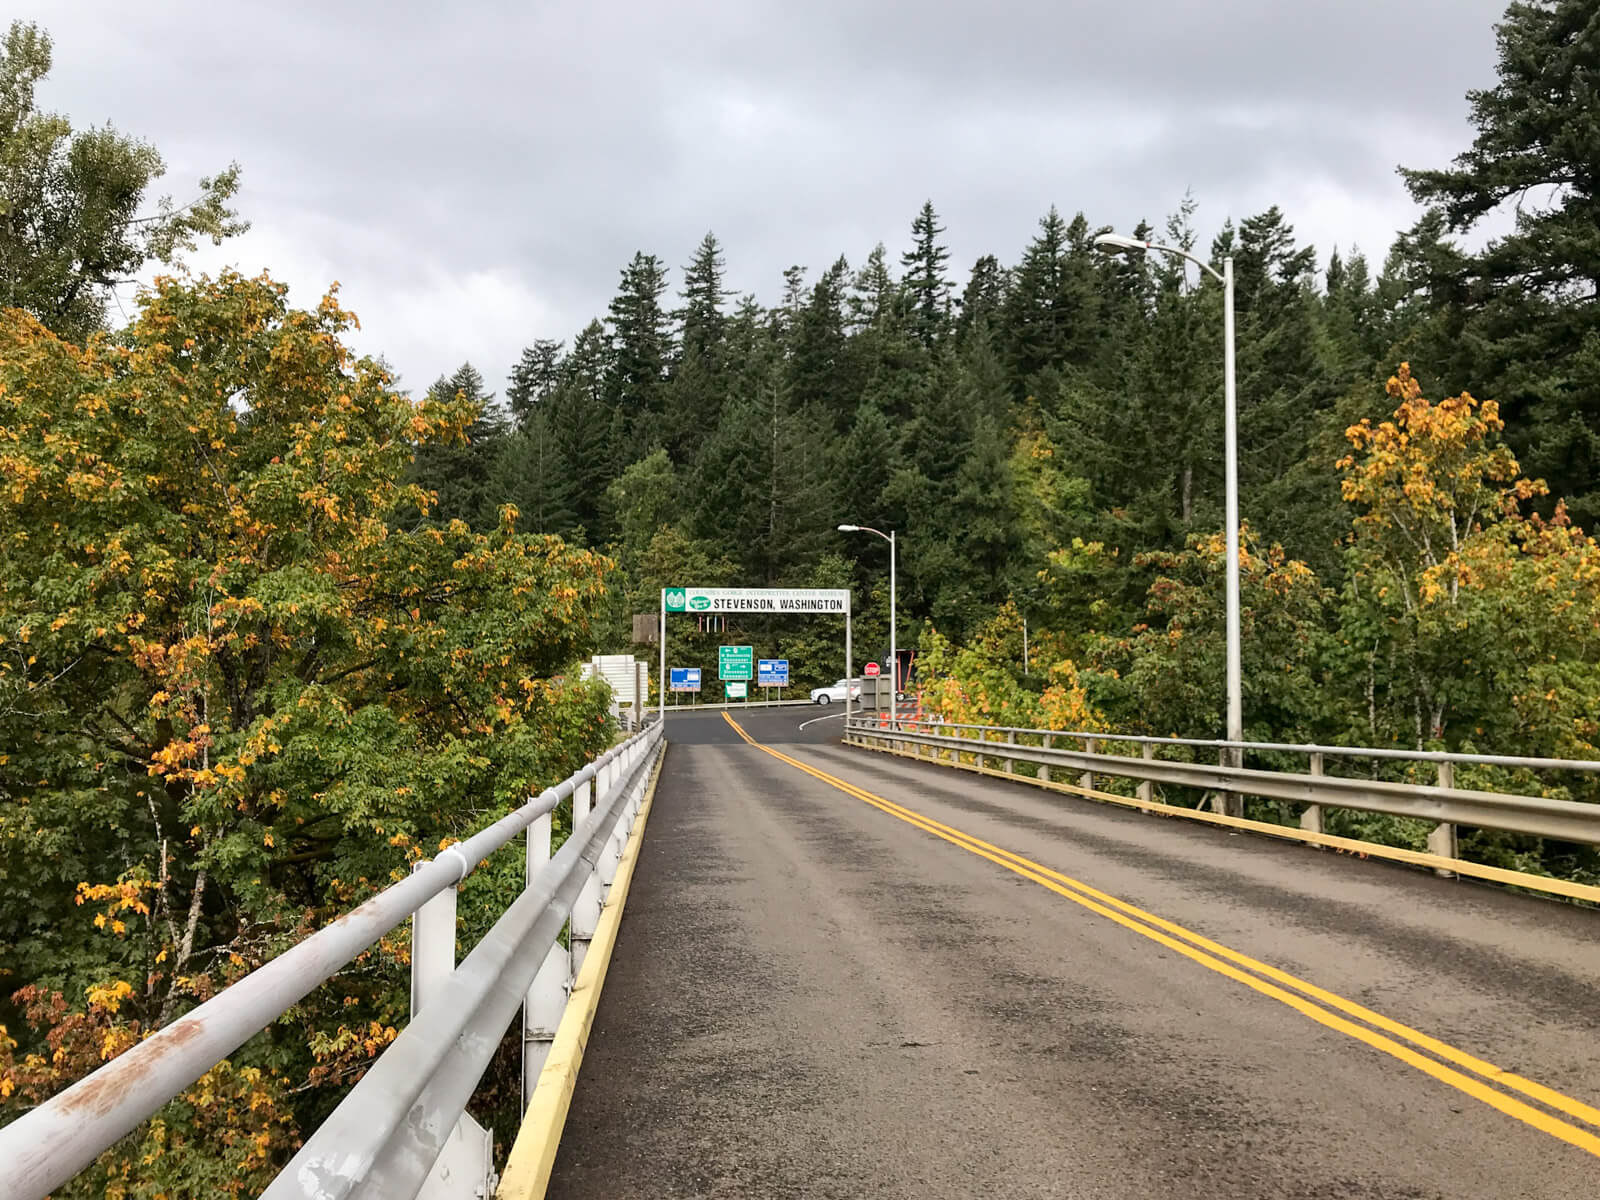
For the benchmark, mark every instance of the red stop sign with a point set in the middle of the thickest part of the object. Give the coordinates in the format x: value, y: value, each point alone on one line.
x: 871, y: 669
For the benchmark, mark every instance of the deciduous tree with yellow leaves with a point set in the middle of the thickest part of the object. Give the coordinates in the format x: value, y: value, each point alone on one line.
x: 234, y: 696
x: 1467, y: 618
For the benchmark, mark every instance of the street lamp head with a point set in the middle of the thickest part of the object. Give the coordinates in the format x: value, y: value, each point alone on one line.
x: 1114, y: 242
x: 849, y: 529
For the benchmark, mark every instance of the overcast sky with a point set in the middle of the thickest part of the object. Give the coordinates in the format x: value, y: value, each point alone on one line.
x: 475, y: 174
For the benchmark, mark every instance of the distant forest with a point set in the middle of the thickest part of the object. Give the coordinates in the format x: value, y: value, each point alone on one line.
x: 1046, y: 438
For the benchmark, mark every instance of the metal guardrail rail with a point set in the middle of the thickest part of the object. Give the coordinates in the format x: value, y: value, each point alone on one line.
x: 1564, y: 820
x: 387, y: 1135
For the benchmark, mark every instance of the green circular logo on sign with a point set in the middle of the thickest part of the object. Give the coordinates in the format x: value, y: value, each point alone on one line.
x: 700, y: 603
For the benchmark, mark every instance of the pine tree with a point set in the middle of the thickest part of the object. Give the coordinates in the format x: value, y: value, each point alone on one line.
x: 701, y: 318
x: 1288, y: 379
x: 987, y: 532
x: 464, y: 477
x: 872, y: 292
x: 1534, y: 294
x: 582, y: 427
x: 1349, y: 311
x: 927, y: 289
x: 984, y: 296
x: 642, y: 344
x: 695, y: 393
x: 868, y: 457
x: 534, y: 474
x: 820, y: 372
x: 693, y: 405
x: 1125, y: 286
x: 1037, y: 319
x: 762, y: 480
x: 534, y: 377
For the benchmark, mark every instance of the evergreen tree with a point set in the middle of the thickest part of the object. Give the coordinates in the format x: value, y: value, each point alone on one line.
x: 984, y: 295
x: 1533, y: 292
x: 534, y: 474
x: 701, y: 317
x: 1125, y: 286
x: 694, y: 395
x: 762, y: 479
x: 642, y: 343
x: 464, y: 477
x: 872, y: 292
x: 927, y: 289
x: 986, y: 529
x: 534, y: 377
x: 1050, y: 311
x: 1349, y: 313
x: 1288, y: 380
x: 585, y: 427
x: 868, y: 457
x: 693, y: 405
x: 820, y: 372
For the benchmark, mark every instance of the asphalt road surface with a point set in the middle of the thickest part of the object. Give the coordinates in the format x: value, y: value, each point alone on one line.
x: 828, y: 993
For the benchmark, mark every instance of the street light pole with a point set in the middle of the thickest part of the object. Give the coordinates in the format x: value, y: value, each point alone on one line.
x: 894, y: 646
x: 894, y: 649
x: 1230, y: 435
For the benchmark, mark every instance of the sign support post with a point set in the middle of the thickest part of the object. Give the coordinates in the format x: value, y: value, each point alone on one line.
x: 849, y: 670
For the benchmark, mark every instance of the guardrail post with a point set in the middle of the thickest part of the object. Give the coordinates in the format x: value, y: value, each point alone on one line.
x: 433, y: 947
x: 1311, y: 819
x: 611, y: 851
x: 1044, y: 769
x: 1226, y: 803
x: 1011, y: 763
x: 634, y: 805
x: 586, y: 909
x: 547, y: 994
x: 1147, y: 789
x: 1086, y: 780
x: 1442, y: 841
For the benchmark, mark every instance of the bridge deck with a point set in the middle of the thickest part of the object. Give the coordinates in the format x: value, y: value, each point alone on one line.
x: 816, y: 997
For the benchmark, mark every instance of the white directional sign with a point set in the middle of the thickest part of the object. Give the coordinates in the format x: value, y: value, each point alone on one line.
x: 816, y: 601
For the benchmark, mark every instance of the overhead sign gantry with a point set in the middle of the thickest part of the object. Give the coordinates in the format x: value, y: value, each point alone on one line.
x: 816, y: 602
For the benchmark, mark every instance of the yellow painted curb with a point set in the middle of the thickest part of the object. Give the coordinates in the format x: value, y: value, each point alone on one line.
x: 1538, y: 883
x: 533, y: 1154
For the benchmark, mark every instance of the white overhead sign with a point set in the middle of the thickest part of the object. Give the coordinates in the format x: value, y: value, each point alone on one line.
x: 817, y: 601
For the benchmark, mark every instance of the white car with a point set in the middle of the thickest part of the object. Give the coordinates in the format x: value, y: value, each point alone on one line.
x: 827, y: 695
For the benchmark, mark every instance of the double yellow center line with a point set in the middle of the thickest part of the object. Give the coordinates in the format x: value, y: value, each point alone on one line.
x: 1320, y: 1005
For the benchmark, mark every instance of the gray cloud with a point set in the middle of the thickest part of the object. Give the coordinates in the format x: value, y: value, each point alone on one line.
x: 476, y: 174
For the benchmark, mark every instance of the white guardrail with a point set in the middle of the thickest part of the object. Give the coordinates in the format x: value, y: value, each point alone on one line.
x: 404, y: 1126
x: 1450, y: 806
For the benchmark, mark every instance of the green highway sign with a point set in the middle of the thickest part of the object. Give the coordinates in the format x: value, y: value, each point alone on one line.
x: 735, y: 662
x: 737, y: 690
